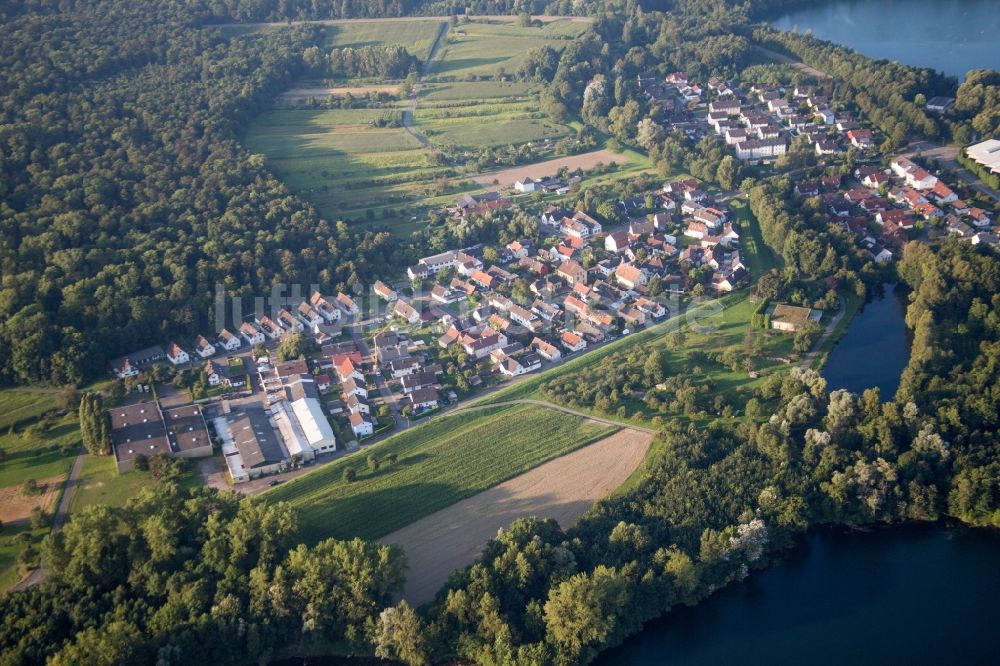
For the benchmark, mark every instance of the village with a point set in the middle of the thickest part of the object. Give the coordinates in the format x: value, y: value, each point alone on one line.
x: 466, y: 320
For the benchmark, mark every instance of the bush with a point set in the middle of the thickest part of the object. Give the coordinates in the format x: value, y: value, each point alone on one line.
x: 39, y: 518
x: 350, y: 475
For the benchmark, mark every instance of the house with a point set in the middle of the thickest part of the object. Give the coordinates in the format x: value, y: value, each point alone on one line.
x: 515, y: 366
x: 696, y: 230
x: 423, y: 399
x: 417, y: 380
x: 524, y: 185
x: 308, y: 314
x: 547, y: 351
x: 519, y: 249
x: 361, y: 424
x: 324, y: 307
x: 572, y: 272
x: 943, y: 193
x: 875, y: 180
x: 269, y: 327
x: 348, y: 368
x: 861, y: 138
x: 418, y: 272
x: 480, y: 342
x: 940, y: 104
x: 401, y: 367
x: 650, y: 307
x: 228, y: 341
x: 290, y: 322
x: 347, y: 304
x: 827, y: 148
x: 446, y: 295
x: 357, y: 405
x: 252, y: 334
x: 897, y: 216
x: 354, y: 386
x: 761, y: 149
x: 406, y: 312
x: 791, y: 318
x: 914, y: 175
x: 384, y: 291
x: 203, y: 347
x: 176, y: 355
x: 616, y: 241
x: 572, y: 341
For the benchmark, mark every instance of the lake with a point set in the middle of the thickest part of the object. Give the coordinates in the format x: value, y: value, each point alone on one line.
x: 925, y: 594
x: 952, y: 36
x: 875, y: 349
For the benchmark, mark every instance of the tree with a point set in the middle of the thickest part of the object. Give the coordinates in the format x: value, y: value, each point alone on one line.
x: 350, y: 475
x: 648, y: 133
x: 95, y: 427
x: 400, y: 634
x: 727, y: 173
x: 373, y: 462
x: 581, y: 613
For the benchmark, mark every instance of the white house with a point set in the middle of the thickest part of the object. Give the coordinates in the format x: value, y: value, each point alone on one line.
x: 228, y: 341
x: 384, y: 291
x: 524, y: 185
x: 362, y: 425
x: 176, y: 355
x: 425, y: 398
x: 616, y: 242
x: 251, y: 334
x: 204, y: 347
x: 572, y: 341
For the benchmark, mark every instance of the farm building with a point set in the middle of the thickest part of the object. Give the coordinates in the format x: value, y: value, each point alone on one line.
x: 791, y: 318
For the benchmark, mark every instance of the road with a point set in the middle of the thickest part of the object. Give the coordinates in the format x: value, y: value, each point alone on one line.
x: 411, y: 106
x: 556, y: 408
x: 59, y: 518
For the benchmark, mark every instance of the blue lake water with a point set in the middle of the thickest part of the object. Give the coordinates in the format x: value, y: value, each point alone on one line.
x: 908, y: 595
x: 875, y: 349
x: 952, y: 36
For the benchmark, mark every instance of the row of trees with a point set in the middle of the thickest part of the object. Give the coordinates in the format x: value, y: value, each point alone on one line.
x: 94, y: 426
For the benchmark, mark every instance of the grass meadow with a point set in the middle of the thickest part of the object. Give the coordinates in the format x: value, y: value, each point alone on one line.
x: 439, y: 463
x: 491, y: 48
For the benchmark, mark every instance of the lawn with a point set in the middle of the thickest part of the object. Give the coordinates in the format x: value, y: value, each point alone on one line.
x: 439, y: 463
x: 417, y: 37
x: 34, y: 447
x: 101, y: 484
x: 490, y: 48
x: 11, y: 547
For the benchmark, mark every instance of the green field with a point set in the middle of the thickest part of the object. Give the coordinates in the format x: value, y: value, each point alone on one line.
x: 491, y: 48
x: 11, y: 547
x: 417, y: 37
x: 359, y: 165
x: 440, y: 463
x: 101, y: 484
x: 34, y: 448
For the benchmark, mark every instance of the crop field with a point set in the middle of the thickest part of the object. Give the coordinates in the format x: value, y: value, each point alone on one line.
x: 476, y: 115
x: 488, y: 48
x: 439, y: 463
x: 562, y: 489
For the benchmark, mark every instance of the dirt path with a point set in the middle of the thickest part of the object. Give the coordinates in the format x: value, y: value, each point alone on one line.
x: 562, y: 489
x: 412, y: 104
x: 811, y: 356
x: 506, y: 177
x: 59, y: 518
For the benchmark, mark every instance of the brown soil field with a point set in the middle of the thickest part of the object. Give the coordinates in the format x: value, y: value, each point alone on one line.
x: 584, y: 161
x: 562, y: 489
x: 299, y: 93
x: 15, y: 506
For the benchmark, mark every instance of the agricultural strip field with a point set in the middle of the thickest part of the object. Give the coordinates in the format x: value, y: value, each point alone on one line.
x: 439, y: 463
x: 299, y: 94
x: 345, y: 165
x: 584, y: 161
x: 491, y: 48
x: 483, y: 114
x: 562, y: 489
